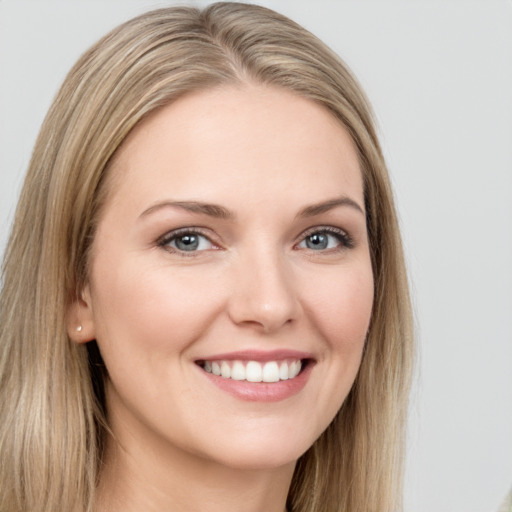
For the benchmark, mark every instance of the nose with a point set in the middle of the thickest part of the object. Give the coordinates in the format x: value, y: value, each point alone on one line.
x: 263, y: 293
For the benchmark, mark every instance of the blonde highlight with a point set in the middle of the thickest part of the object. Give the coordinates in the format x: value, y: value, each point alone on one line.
x: 53, y: 418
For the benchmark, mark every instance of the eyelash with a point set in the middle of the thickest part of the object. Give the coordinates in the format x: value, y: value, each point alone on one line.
x: 346, y: 242
x: 166, y: 239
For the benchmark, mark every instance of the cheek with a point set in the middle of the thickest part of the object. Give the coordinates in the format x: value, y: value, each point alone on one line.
x: 155, y: 308
x: 343, y: 305
x: 340, y: 308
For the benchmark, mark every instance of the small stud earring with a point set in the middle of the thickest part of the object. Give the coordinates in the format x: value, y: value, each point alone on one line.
x: 79, y: 328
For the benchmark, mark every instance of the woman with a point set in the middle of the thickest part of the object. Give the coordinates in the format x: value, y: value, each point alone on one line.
x: 204, y: 302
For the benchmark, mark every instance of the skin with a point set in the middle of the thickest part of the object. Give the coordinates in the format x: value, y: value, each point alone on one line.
x: 254, y: 283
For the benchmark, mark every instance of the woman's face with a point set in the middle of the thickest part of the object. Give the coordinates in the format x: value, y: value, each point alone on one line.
x: 233, y: 241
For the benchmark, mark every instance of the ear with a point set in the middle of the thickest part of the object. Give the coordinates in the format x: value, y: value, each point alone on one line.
x: 80, y: 318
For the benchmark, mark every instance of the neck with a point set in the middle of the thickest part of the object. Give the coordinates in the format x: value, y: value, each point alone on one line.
x: 155, y: 481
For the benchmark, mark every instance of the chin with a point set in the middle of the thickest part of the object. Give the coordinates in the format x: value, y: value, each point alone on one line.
x: 264, y: 453
x: 260, y: 461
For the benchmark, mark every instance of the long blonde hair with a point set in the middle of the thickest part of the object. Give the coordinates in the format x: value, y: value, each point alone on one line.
x: 52, y: 413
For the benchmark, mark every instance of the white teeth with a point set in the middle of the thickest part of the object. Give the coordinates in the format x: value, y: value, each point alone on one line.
x: 238, y: 371
x: 283, y: 371
x: 271, y: 372
x: 215, y: 368
x: 225, y: 370
x: 294, y: 369
x: 254, y: 371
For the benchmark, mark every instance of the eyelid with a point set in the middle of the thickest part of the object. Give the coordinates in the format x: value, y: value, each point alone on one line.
x: 346, y: 240
x: 343, y: 236
x: 165, y: 239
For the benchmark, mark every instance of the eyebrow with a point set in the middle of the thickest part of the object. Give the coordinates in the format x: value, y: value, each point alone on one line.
x: 325, y: 206
x: 212, y: 210
x: 219, y: 212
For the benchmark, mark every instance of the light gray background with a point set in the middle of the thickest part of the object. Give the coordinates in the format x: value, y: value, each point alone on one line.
x: 439, y: 74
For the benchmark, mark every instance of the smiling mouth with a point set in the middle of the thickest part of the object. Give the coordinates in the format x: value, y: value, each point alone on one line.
x: 255, y: 371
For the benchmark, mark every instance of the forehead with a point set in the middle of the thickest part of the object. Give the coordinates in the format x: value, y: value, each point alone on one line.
x: 218, y: 141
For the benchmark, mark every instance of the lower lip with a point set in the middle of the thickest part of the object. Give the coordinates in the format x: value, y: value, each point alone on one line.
x: 262, y: 391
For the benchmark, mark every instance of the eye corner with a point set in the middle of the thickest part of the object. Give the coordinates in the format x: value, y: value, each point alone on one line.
x: 325, y: 240
x: 187, y: 241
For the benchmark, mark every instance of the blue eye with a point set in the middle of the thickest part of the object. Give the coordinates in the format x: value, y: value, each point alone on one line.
x: 186, y: 241
x: 325, y: 239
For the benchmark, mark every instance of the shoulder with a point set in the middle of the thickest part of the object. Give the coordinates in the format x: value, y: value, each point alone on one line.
x: 506, y: 506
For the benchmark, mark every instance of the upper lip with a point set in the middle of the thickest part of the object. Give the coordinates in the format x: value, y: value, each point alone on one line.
x: 258, y: 355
